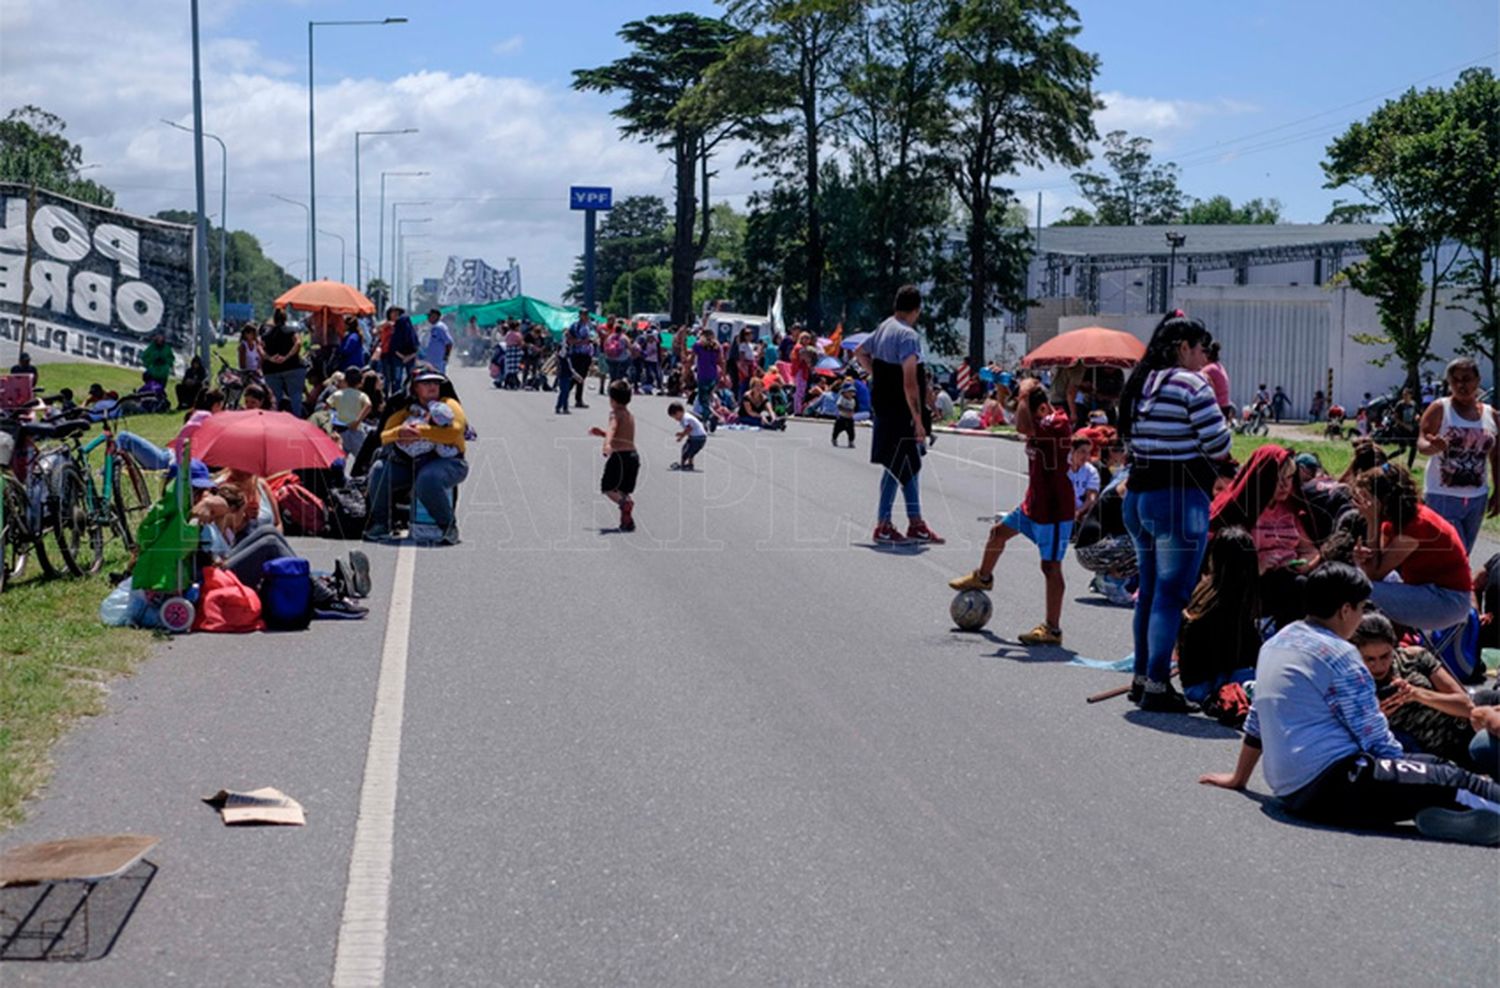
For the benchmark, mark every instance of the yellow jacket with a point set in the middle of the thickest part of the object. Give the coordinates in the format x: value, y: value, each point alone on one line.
x: 448, y: 435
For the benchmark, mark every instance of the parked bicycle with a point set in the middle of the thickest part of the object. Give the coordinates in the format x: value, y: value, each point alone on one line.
x: 88, y: 509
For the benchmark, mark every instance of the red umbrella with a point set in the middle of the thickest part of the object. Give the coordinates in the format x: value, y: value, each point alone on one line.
x: 1094, y: 346
x: 263, y: 443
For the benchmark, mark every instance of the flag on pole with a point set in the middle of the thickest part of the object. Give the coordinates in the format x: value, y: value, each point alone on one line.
x: 778, y: 324
x: 835, y: 341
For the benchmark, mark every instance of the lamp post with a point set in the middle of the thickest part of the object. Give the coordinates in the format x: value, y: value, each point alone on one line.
x: 410, y: 282
x: 400, y: 234
x: 358, y: 238
x: 312, y: 170
x: 1174, y: 241
x: 294, y: 202
x: 343, y: 255
x: 380, y: 269
x: 395, y: 265
x: 201, y: 248
x: 223, y: 206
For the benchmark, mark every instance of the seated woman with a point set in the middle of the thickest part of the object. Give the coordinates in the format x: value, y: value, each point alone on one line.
x: 423, y: 446
x: 260, y: 503
x: 755, y: 408
x: 1411, y: 540
x: 993, y: 413
x: 1264, y: 499
x: 193, y: 381
x: 1103, y: 545
x: 1426, y: 707
x: 1219, y: 642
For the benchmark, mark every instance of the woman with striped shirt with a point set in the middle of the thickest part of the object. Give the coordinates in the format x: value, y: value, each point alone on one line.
x: 1175, y: 432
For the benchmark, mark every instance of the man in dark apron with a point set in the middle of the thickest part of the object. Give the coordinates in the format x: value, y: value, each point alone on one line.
x: 900, y: 416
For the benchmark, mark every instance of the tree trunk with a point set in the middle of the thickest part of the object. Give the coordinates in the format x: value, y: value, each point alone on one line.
x: 814, y: 220
x: 978, y: 265
x: 684, y: 250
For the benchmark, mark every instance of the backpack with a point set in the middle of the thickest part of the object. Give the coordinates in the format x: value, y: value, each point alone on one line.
x: 286, y: 595
x: 225, y: 604
x: 302, y: 511
x: 347, y: 513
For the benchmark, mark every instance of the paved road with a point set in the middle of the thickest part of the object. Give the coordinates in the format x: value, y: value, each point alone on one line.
x: 739, y: 746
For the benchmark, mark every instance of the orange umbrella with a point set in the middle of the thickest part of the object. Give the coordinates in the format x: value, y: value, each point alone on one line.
x: 333, y: 296
x: 1094, y: 346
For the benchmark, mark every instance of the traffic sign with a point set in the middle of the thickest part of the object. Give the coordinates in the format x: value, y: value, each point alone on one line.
x: 590, y: 197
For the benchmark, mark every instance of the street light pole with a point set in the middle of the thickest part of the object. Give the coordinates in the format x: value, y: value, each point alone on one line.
x: 400, y: 244
x: 294, y: 202
x: 201, y: 247
x: 395, y: 265
x: 312, y: 167
x: 1174, y: 241
x: 380, y: 270
x: 358, y: 213
x: 223, y: 206
x: 343, y: 255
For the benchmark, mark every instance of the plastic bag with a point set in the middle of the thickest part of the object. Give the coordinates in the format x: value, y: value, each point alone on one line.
x: 115, y: 609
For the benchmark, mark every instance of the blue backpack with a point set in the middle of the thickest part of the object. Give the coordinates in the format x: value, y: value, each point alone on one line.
x: 286, y: 595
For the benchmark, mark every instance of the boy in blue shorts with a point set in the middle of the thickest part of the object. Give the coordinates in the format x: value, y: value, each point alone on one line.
x: 1045, y: 515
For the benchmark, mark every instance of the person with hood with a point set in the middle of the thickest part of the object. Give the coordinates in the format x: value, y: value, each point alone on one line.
x: 424, y: 455
x: 157, y: 360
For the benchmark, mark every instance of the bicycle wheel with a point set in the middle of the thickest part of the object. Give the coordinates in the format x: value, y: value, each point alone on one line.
x: 79, y: 537
x: 132, y: 498
x: 15, y: 536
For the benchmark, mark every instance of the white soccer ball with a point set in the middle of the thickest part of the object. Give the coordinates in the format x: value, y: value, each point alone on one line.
x: 971, y: 610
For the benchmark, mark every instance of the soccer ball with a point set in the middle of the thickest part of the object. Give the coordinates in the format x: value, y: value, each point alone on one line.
x: 971, y: 610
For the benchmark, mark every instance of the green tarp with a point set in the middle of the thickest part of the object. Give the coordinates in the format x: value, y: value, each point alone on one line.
x: 555, y: 317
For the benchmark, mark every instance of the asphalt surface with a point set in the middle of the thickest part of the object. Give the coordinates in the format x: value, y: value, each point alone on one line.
x: 739, y: 746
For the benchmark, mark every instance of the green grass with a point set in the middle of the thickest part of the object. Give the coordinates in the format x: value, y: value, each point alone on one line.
x: 56, y: 658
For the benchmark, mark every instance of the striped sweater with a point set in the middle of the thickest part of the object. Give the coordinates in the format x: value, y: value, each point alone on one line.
x: 1178, y: 432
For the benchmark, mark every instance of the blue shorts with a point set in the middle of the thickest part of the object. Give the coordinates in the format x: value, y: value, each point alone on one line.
x: 1052, y: 539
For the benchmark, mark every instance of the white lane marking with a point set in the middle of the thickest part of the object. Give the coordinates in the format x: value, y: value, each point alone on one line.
x: 359, y: 958
x: 976, y: 463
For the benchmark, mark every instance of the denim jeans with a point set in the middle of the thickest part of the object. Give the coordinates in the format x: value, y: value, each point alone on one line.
x: 909, y: 490
x: 288, y: 386
x: 1465, y: 514
x: 564, y: 385
x: 393, y: 370
x: 430, y: 479
x: 149, y: 455
x: 1424, y: 606
x: 1170, y: 531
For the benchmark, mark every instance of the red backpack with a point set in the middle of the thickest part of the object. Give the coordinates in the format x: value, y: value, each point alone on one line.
x: 225, y: 604
x: 302, y: 511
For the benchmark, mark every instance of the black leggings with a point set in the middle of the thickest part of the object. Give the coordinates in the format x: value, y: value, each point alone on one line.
x: 1366, y: 791
x: 843, y: 426
x: 581, y: 362
x: 254, y: 551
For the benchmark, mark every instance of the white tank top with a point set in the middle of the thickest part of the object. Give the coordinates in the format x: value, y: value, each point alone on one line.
x: 1463, y: 471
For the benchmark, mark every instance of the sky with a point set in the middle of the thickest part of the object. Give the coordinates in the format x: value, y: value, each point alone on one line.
x: 1244, y: 96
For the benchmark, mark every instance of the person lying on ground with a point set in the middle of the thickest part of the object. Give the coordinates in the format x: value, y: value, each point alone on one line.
x: 1329, y: 755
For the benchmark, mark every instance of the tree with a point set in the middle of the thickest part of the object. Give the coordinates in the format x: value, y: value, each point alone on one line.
x: 250, y: 275
x: 1220, y: 210
x: 800, y: 55
x: 635, y: 234
x: 642, y: 290
x: 1475, y: 187
x: 670, y: 55
x: 1019, y: 95
x: 34, y: 150
x: 1405, y: 158
x: 1352, y: 212
x: 1138, y: 193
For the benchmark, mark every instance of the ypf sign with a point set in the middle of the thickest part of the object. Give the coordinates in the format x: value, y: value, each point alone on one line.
x: 590, y: 197
x: 101, y: 283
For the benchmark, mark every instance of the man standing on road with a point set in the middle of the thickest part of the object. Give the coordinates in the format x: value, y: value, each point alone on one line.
x: 437, y: 343
x: 892, y: 356
x: 580, y: 343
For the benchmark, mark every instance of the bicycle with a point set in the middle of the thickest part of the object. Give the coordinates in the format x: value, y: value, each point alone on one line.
x: 18, y: 534
x: 87, y: 512
x: 30, y: 492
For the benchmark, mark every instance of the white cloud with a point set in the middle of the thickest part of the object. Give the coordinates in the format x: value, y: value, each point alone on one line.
x: 1160, y: 119
x: 508, y: 46
x: 502, y: 151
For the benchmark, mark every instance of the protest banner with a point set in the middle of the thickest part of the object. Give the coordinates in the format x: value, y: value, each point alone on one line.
x: 100, y: 283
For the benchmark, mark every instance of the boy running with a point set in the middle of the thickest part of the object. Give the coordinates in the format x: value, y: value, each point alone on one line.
x: 1045, y: 516
x: 622, y: 463
x: 692, y: 431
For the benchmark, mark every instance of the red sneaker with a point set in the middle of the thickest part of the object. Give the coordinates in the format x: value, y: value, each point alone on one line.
x: 887, y: 534
x: 627, y: 519
x: 918, y: 531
